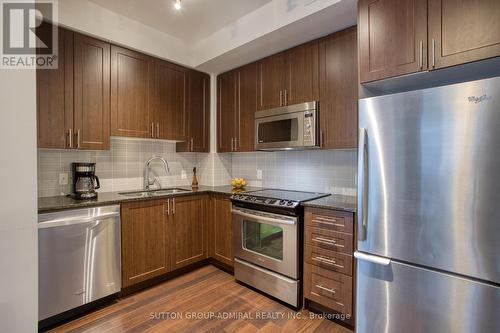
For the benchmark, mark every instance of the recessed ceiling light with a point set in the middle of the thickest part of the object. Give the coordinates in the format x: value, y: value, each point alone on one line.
x: 177, y: 5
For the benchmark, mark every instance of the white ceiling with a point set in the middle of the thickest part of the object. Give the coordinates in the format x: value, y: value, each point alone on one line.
x: 196, y: 20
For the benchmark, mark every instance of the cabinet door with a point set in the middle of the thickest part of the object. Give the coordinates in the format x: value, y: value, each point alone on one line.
x: 247, y: 105
x: 302, y: 71
x: 91, y: 93
x: 461, y: 31
x: 170, y: 117
x: 144, y: 241
x: 198, y: 139
x: 187, y: 230
x: 226, y: 111
x: 339, y: 90
x: 271, y: 82
x: 392, y: 38
x: 55, y: 95
x: 131, y: 92
x: 222, y: 231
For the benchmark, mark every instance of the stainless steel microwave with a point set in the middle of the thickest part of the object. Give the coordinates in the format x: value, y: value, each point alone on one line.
x: 288, y: 127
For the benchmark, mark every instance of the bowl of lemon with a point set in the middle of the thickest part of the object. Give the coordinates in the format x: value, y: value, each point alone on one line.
x: 238, y: 183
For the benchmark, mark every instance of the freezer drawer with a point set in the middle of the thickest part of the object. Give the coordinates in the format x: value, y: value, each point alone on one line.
x: 79, y: 258
x: 396, y: 298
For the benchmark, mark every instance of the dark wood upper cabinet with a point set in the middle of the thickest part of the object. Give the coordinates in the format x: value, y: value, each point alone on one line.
x: 392, y: 38
x: 271, y: 81
x: 198, y: 97
x: 226, y: 111
x: 237, y: 103
x: 246, y: 106
x: 91, y: 93
x: 170, y: 111
x: 188, y: 230
x: 302, y: 72
x: 338, y: 90
x: 131, y: 93
x: 462, y: 31
x: 55, y: 96
x: 145, y: 246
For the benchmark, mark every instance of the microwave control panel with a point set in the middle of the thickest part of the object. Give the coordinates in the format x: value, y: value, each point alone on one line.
x: 309, y: 128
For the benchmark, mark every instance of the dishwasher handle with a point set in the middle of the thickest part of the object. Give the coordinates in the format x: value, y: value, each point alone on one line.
x: 75, y: 220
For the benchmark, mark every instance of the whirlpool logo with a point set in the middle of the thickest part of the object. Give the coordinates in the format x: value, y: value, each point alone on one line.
x: 478, y: 99
x: 28, y: 39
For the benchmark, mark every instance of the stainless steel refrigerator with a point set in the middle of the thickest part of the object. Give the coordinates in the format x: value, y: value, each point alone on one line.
x: 428, y: 254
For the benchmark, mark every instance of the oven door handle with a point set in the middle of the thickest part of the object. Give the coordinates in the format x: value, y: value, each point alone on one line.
x: 263, y: 218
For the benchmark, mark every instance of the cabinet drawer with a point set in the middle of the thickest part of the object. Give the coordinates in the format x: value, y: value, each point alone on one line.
x: 327, y: 259
x: 330, y: 240
x: 329, y: 220
x: 327, y: 288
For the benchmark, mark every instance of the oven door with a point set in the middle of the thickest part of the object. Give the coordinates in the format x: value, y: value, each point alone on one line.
x: 267, y: 240
x: 284, y: 131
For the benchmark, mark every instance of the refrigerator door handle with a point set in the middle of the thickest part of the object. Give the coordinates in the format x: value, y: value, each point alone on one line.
x: 371, y: 258
x: 362, y: 184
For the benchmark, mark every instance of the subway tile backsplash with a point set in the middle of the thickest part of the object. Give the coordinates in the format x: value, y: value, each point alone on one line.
x: 329, y: 171
x: 121, y: 168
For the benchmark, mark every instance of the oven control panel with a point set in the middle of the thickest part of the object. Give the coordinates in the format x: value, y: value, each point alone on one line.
x: 265, y: 201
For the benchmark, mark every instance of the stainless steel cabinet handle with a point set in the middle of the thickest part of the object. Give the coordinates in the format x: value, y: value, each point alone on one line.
x: 321, y: 259
x: 433, y: 53
x: 192, y: 144
x: 70, y: 137
x: 173, y: 206
x: 362, y: 184
x: 421, y: 55
x: 168, y: 206
x: 281, y: 97
x: 371, y: 258
x: 157, y: 130
x: 286, y: 98
x: 232, y: 144
x: 326, y: 241
x: 236, y: 144
x: 325, y: 289
x: 77, y: 138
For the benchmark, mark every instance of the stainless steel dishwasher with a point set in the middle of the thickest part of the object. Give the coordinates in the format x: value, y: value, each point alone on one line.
x: 79, y: 258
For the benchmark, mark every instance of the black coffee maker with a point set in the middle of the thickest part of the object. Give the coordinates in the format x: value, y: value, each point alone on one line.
x: 85, y: 182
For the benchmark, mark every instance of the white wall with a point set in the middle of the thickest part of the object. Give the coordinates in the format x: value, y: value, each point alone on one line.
x: 18, y: 202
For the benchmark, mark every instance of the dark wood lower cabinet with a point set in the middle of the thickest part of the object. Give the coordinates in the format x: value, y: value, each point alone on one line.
x: 328, y: 259
x: 164, y: 235
x: 221, y: 247
x: 144, y: 241
x: 188, y: 230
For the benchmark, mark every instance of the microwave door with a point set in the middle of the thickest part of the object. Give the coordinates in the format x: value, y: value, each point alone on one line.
x: 280, y: 132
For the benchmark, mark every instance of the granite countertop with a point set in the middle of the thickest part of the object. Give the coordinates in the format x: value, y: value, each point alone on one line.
x: 334, y: 201
x: 51, y: 204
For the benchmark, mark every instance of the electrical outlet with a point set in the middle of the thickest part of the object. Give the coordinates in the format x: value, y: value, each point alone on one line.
x: 183, y: 174
x: 259, y: 174
x: 63, y: 179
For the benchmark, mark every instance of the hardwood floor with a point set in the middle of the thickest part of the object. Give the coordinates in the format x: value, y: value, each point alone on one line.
x: 207, y: 292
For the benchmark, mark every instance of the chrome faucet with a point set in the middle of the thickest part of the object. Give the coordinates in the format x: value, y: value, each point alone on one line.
x: 147, y: 181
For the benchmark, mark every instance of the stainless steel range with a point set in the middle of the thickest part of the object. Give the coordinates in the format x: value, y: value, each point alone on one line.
x: 267, y: 229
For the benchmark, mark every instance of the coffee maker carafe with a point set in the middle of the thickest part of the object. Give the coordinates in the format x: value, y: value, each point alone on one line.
x: 85, y: 182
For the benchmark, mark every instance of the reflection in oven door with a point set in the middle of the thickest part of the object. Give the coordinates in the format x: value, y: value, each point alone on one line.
x: 268, y: 240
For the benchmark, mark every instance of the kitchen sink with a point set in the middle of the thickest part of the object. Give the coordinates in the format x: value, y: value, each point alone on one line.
x: 153, y: 193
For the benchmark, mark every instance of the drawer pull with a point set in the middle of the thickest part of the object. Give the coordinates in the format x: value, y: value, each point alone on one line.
x: 327, y: 222
x: 326, y: 241
x: 327, y: 261
x: 325, y: 289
